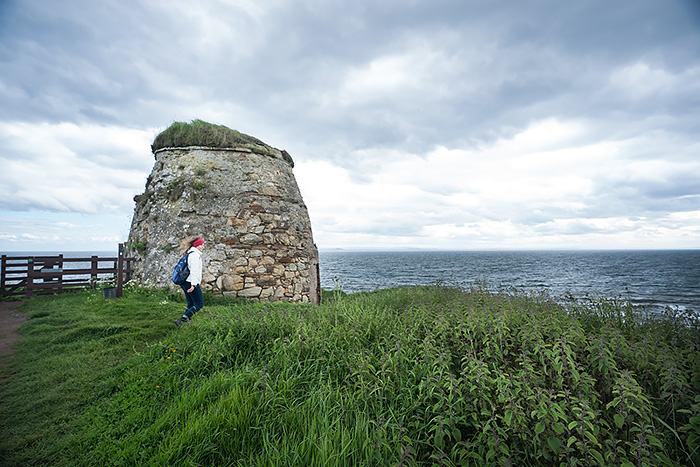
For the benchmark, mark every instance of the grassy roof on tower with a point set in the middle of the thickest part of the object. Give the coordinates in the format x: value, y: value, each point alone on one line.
x: 201, y: 133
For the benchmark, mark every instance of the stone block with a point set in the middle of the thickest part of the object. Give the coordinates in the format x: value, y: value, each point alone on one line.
x: 270, y: 191
x: 235, y: 222
x: 253, y: 222
x: 231, y: 282
x: 250, y: 292
x: 251, y: 239
x: 206, y: 277
x: 267, y: 280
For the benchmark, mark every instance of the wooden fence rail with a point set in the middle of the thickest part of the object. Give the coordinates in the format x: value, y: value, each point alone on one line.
x: 27, y: 275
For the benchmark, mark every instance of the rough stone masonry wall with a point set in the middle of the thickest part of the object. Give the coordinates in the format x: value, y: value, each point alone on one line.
x: 246, y: 205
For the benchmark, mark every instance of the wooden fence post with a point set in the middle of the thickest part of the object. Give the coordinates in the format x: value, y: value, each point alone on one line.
x: 60, y: 276
x: 30, y: 276
x: 318, y: 284
x: 120, y: 270
x: 3, y: 272
x: 93, y: 271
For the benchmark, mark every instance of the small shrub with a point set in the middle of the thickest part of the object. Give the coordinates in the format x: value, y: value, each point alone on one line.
x: 139, y: 246
x: 175, y: 190
x: 143, y: 198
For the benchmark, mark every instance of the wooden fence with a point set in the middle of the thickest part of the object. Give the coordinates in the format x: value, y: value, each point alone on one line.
x: 27, y: 275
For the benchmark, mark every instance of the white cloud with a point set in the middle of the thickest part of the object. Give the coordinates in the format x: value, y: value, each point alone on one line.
x: 422, y: 70
x: 641, y: 81
x: 72, y: 168
x: 528, y: 191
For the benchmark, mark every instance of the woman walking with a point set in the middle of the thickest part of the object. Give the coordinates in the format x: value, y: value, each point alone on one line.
x: 192, y: 287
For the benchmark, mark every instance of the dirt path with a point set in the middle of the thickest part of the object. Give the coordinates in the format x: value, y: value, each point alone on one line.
x: 10, y: 321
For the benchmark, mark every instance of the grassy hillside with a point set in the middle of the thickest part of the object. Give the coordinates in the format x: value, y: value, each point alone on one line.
x: 410, y: 376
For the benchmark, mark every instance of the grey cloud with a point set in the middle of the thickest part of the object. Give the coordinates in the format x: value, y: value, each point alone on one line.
x: 82, y: 61
x: 682, y: 186
x: 281, y: 66
x: 645, y: 197
x: 476, y: 71
x: 530, y: 79
x: 537, y: 217
x: 377, y: 224
x: 569, y: 229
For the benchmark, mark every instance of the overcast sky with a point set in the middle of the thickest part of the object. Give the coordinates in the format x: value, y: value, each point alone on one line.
x: 451, y: 124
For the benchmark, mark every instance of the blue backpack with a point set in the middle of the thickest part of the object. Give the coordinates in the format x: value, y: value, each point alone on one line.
x: 182, y: 270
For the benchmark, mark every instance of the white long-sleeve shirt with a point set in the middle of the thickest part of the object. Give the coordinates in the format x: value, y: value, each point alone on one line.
x: 194, y: 262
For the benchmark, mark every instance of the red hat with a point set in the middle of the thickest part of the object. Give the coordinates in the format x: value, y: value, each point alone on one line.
x: 198, y: 242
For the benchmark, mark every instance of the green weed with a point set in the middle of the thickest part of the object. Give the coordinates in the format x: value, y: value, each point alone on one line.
x: 409, y: 376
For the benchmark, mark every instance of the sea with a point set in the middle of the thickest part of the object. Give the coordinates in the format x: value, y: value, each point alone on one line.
x: 655, y: 279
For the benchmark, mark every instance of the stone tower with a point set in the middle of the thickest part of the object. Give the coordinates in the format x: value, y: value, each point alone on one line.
x: 241, y: 197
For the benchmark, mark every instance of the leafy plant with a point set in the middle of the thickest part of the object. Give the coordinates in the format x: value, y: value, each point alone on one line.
x: 139, y: 246
x: 408, y: 376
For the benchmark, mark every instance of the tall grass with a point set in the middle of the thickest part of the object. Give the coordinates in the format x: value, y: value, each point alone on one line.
x: 201, y: 133
x: 409, y: 376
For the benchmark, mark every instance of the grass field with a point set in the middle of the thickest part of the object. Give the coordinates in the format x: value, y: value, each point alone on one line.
x: 408, y: 376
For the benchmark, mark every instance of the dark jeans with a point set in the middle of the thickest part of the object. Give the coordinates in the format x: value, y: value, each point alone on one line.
x: 195, y: 299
